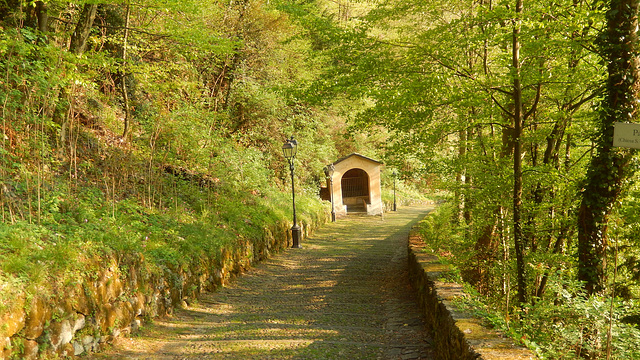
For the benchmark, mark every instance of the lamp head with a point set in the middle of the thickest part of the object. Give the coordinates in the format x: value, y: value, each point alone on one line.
x: 289, y: 149
x: 329, y: 170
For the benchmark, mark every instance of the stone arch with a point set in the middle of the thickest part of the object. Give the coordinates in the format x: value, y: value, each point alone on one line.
x: 355, y: 190
x: 354, y: 185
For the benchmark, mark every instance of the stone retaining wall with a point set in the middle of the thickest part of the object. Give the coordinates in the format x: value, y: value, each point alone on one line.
x: 456, y: 334
x: 118, y: 294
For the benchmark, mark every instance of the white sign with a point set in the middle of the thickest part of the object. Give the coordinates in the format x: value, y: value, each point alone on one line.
x: 626, y: 135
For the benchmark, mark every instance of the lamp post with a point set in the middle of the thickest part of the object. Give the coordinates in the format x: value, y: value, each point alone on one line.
x: 289, y: 149
x: 394, y: 190
x: 328, y: 172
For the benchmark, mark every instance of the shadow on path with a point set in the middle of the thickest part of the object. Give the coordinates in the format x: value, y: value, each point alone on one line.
x: 344, y: 295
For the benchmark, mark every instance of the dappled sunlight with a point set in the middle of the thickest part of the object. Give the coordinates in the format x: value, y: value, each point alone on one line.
x: 213, y: 308
x: 333, y: 300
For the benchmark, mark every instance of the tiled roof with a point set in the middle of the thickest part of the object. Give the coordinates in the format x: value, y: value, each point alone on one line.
x: 356, y: 154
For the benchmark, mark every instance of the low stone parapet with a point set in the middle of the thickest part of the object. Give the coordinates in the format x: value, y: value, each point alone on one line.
x: 457, y: 335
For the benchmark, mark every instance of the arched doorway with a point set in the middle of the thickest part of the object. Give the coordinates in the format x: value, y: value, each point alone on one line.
x: 355, y: 190
x: 355, y: 185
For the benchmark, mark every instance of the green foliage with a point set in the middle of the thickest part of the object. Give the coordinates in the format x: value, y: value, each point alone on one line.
x: 406, y: 193
x: 215, y: 87
x: 577, y: 325
x: 437, y: 228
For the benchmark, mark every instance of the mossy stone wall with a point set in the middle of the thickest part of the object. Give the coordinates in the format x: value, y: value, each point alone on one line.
x: 457, y: 335
x: 118, y: 294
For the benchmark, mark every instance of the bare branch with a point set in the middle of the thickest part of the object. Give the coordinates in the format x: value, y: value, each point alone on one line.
x: 115, y: 27
x: 511, y: 115
x: 535, y: 102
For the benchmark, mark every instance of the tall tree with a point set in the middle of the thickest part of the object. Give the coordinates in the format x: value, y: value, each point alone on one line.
x: 125, y: 92
x: 42, y: 16
x: 83, y: 27
x: 518, y: 123
x: 609, y: 168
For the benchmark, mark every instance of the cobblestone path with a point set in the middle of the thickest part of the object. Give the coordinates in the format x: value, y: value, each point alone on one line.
x: 344, y: 295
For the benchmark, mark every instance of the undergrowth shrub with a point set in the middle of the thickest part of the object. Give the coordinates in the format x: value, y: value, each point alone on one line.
x: 405, y: 193
x: 86, y: 225
x: 437, y: 227
x: 576, y: 326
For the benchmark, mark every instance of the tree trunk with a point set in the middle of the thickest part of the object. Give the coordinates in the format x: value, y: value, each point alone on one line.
x: 608, y: 171
x: 42, y: 16
x: 125, y: 94
x: 77, y: 46
x: 460, y: 176
x: 468, y: 181
x: 518, y: 116
x: 83, y: 27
